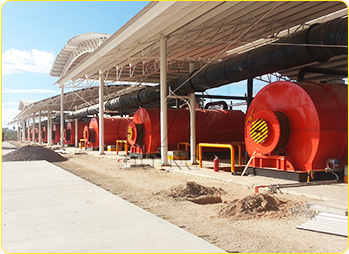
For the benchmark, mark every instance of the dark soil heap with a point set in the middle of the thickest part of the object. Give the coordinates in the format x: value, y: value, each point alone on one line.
x: 33, y: 153
x: 252, y: 206
x: 192, y: 190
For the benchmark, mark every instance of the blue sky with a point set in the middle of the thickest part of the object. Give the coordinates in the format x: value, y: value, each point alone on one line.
x: 34, y: 32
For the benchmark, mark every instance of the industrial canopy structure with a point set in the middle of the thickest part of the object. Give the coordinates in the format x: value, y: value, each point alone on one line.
x: 167, y: 39
x: 196, y: 32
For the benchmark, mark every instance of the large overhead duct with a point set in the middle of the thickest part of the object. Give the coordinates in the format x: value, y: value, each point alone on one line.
x: 287, y: 53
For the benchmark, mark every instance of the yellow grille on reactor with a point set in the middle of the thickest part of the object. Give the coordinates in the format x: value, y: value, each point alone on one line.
x: 259, y: 131
x: 130, y: 133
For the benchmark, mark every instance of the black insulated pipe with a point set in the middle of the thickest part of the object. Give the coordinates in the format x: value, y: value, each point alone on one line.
x: 309, y: 69
x: 265, y: 59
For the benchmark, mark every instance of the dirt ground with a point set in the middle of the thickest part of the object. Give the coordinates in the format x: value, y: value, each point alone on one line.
x: 242, y: 222
x: 236, y: 219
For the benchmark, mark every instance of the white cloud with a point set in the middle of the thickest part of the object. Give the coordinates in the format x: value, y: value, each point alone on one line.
x: 8, y: 115
x: 10, y: 104
x: 17, y: 61
x: 36, y: 91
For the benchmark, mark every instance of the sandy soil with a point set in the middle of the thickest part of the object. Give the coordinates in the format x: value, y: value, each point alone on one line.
x: 232, y: 225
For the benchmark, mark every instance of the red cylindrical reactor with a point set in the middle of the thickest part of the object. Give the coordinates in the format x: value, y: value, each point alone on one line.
x: 26, y: 134
x: 211, y: 126
x: 36, y: 135
x: 69, y: 132
x: 31, y: 134
x: 44, y: 134
x: 298, y: 126
x: 56, y: 133
x: 115, y: 128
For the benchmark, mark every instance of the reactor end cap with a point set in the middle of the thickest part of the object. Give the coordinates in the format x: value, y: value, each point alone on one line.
x: 85, y: 134
x: 89, y: 134
x: 135, y: 133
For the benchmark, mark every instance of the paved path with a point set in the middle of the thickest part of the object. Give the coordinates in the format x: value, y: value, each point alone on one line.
x: 7, y: 147
x: 47, y: 209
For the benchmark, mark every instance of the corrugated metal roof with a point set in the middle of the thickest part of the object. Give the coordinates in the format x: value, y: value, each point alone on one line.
x: 25, y: 103
x: 197, y: 32
x: 75, y: 50
x: 80, y: 98
x: 327, y: 223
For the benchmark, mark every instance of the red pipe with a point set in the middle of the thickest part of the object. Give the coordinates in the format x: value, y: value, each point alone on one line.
x: 256, y: 188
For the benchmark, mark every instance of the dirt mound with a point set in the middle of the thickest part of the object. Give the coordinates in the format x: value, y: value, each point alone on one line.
x: 33, y: 153
x: 255, y: 205
x: 192, y: 190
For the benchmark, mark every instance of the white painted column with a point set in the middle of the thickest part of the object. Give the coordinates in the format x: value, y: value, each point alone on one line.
x: 33, y: 129
x: 62, y: 117
x: 18, y: 132
x: 101, y: 113
x: 28, y: 131
x: 192, y: 130
x: 192, y: 123
x: 76, y: 130
x: 49, y: 128
x: 23, y: 130
x: 163, y: 100
x: 39, y: 133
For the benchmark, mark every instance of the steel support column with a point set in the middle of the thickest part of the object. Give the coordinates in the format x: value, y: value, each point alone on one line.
x: 23, y: 130
x: 33, y: 129
x: 192, y: 123
x: 18, y: 132
x: 192, y: 130
x: 49, y: 128
x: 62, y: 117
x: 101, y: 113
x: 39, y: 133
x: 163, y: 100
x: 28, y: 131
x: 76, y: 131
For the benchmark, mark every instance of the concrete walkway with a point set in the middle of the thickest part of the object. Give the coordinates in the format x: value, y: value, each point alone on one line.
x: 7, y: 147
x: 47, y: 209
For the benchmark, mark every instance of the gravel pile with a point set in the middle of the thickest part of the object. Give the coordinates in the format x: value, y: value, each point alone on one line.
x: 302, y: 210
x: 33, y: 153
